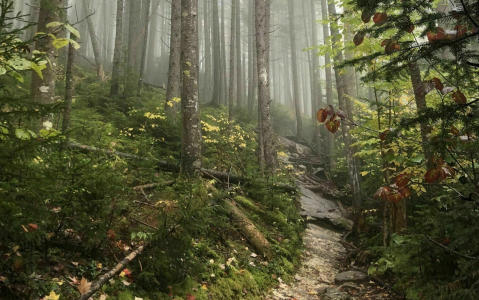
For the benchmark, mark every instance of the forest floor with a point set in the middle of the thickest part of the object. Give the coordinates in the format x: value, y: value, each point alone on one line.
x: 324, y: 273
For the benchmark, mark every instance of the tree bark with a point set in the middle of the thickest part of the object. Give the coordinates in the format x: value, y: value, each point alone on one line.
x: 294, y: 63
x: 116, y: 71
x: 316, y: 89
x: 144, y: 48
x: 251, y: 35
x: 329, y: 82
x: 231, y: 93
x: 174, y: 70
x: 216, y: 56
x: 43, y: 90
x: 191, y: 126
x: 262, y: 49
x: 208, y: 66
x: 342, y: 97
x: 94, y: 41
x: 224, y: 82
x: 69, y: 88
x: 420, y: 99
x: 239, y: 72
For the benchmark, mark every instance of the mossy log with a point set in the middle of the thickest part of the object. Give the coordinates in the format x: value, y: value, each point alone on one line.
x: 260, y: 243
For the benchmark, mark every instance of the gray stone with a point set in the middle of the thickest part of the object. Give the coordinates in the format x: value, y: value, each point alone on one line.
x: 317, y: 208
x: 335, y: 294
x: 350, y: 276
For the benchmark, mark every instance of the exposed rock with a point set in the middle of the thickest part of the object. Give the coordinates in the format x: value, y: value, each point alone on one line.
x: 350, y: 276
x: 350, y: 287
x: 335, y: 294
x: 317, y: 208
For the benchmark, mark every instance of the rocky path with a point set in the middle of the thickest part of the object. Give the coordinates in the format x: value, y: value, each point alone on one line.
x: 320, y: 276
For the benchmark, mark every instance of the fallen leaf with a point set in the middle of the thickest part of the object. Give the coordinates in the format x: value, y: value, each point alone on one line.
x: 204, y: 287
x: 126, y: 283
x: 84, y: 286
x: 253, y: 255
x: 52, y: 296
x: 103, y: 297
x: 137, y: 298
x: 190, y: 297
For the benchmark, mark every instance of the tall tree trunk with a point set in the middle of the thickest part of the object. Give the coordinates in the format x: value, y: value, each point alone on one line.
x: 132, y: 35
x: 420, y: 99
x: 342, y: 97
x: 191, y: 125
x: 151, y: 68
x: 69, y: 88
x: 216, y: 56
x: 33, y: 18
x: 250, y: 55
x: 316, y: 90
x: 43, y: 90
x: 224, y: 82
x: 174, y: 69
x: 287, y: 80
x: 239, y: 81
x: 329, y: 82
x: 294, y: 63
x: 208, y: 58
x: 262, y: 49
x: 116, y: 71
x: 231, y: 93
x: 94, y: 41
x: 144, y: 48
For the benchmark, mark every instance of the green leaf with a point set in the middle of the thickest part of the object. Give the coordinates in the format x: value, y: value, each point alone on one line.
x: 60, y: 43
x: 54, y: 24
x: 22, y: 134
x: 16, y: 75
x: 75, y: 44
x: 3, y: 71
x: 72, y: 30
x: 38, y: 69
x: 419, y: 158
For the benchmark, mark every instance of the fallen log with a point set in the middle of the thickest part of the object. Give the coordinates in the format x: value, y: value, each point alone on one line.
x: 117, y: 269
x: 257, y: 239
x: 153, y: 185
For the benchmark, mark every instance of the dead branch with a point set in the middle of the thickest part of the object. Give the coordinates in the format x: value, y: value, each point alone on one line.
x: 153, y: 185
x: 117, y: 269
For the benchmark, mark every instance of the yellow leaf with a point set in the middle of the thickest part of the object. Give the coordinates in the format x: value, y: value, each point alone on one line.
x: 364, y: 173
x: 204, y: 287
x: 52, y: 296
x: 122, y: 274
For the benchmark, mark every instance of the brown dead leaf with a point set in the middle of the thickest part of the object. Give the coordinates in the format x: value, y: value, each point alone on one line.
x: 84, y: 286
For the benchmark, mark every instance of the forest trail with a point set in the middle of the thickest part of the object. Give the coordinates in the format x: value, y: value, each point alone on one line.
x: 322, y: 274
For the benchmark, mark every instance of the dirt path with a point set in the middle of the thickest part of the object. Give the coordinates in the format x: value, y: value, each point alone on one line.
x: 320, y: 276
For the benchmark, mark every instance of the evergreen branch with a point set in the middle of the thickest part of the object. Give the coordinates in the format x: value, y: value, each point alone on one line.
x: 468, y: 14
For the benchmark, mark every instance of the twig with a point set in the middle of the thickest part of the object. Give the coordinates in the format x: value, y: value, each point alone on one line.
x: 153, y: 185
x: 117, y: 269
x: 143, y: 223
x: 448, y: 249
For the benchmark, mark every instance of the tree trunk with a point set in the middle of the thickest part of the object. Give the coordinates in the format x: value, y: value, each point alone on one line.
x: 43, y: 90
x: 329, y: 82
x: 239, y: 72
x: 294, y: 63
x: 208, y: 58
x: 115, y: 75
x: 144, y: 48
x: 33, y: 18
x: 420, y: 98
x: 151, y: 68
x: 69, y: 88
x: 250, y: 55
x: 316, y: 90
x: 224, y: 82
x: 191, y: 126
x: 174, y: 70
x: 216, y: 56
x: 231, y: 93
x: 94, y: 41
x: 132, y: 37
x: 262, y: 49
x: 342, y: 97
